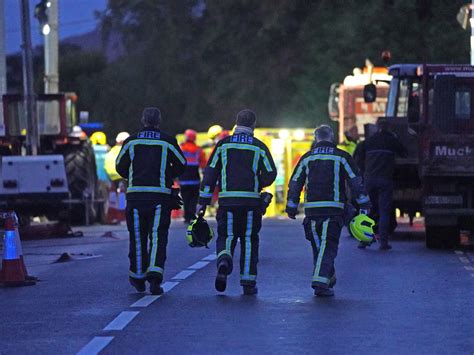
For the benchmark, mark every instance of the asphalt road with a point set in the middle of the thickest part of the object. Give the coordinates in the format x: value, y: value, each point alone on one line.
x: 406, y: 301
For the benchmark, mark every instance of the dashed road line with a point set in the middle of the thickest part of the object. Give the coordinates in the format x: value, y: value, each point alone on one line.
x: 183, y: 275
x: 122, y: 320
x: 169, y: 285
x: 464, y: 260
x: 145, y: 301
x: 95, y: 346
x: 199, y: 265
x: 98, y: 343
x: 459, y: 252
x: 469, y: 268
x: 210, y: 257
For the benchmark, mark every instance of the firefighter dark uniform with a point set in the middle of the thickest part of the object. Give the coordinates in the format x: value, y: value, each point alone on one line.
x: 323, y: 172
x: 150, y: 160
x: 243, y: 166
x: 376, y: 156
x: 190, y: 181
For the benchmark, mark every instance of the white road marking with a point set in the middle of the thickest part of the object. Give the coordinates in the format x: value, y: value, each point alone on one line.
x: 121, y: 320
x: 469, y: 268
x: 210, y: 257
x: 459, y: 252
x: 183, y: 274
x: 199, y: 265
x: 464, y: 260
x: 168, y: 286
x: 95, y: 346
x: 145, y: 301
x: 472, y: 275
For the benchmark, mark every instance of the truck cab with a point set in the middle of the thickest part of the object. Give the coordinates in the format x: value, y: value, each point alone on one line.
x: 430, y: 108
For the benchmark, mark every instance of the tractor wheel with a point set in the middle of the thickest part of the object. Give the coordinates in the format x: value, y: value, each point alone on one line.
x: 79, y: 161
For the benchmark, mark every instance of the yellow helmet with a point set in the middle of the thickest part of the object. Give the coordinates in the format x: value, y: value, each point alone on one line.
x: 199, y: 233
x: 362, y: 228
x: 98, y: 138
x: 214, y: 131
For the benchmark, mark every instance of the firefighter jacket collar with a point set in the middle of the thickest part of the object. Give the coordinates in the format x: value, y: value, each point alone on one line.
x: 243, y: 130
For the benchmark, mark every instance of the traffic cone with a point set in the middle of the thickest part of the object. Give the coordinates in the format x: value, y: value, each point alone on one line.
x: 13, y: 273
x: 20, y: 249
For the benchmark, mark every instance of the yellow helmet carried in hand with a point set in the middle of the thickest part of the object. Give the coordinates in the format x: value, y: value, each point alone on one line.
x: 199, y: 234
x: 214, y: 131
x: 98, y: 138
x: 362, y: 228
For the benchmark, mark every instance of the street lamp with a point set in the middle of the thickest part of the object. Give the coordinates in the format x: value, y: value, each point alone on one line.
x: 41, y: 13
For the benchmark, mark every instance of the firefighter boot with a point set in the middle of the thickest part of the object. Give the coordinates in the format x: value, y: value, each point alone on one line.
x: 155, y: 288
x: 323, y: 292
x: 138, y: 284
x: 221, y: 278
x: 250, y: 289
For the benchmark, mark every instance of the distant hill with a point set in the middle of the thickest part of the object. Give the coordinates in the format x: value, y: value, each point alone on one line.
x: 92, y: 41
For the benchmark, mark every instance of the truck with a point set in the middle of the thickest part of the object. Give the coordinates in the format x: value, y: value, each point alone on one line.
x: 346, y: 103
x: 61, y: 181
x: 430, y: 107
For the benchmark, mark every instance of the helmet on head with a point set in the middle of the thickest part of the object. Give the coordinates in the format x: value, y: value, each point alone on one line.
x: 362, y: 228
x: 199, y: 234
x: 190, y: 135
x: 98, y: 138
x: 214, y: 131
x: 77, y: 132
x: 121, y: 137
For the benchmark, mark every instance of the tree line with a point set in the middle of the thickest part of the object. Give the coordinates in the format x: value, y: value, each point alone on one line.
x: 201, y: 61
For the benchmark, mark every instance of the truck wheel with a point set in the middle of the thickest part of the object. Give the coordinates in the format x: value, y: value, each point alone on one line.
x: 440, y: 237
x: 79, y: 161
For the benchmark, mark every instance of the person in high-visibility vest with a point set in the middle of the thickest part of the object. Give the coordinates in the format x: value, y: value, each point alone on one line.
x: 117, y: 203
x: 349, y: 144
x: 101, y: 148
x: 189, y: 182
x: 112, y: 155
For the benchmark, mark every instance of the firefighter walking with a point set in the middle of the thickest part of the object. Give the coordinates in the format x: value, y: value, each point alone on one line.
x: 323, y: 172
x: 150, y: 160
x: 189, y: 182
x: 243, y: 166
x: 376, y: 156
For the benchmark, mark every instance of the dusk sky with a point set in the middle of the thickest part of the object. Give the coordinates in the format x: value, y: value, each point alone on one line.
x: 75, y: 17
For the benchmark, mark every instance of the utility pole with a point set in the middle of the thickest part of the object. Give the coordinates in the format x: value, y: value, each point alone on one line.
x: 51, y: 43
x: 3, y: 66
x: 29, y: 105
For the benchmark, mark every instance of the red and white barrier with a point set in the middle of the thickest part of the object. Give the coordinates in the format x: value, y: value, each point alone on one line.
x: 117, y: 203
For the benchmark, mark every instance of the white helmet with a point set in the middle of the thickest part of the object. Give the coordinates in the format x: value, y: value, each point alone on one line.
x: 121, y: 137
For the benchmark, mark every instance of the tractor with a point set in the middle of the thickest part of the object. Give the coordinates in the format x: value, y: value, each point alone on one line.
x: 61, y: 181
